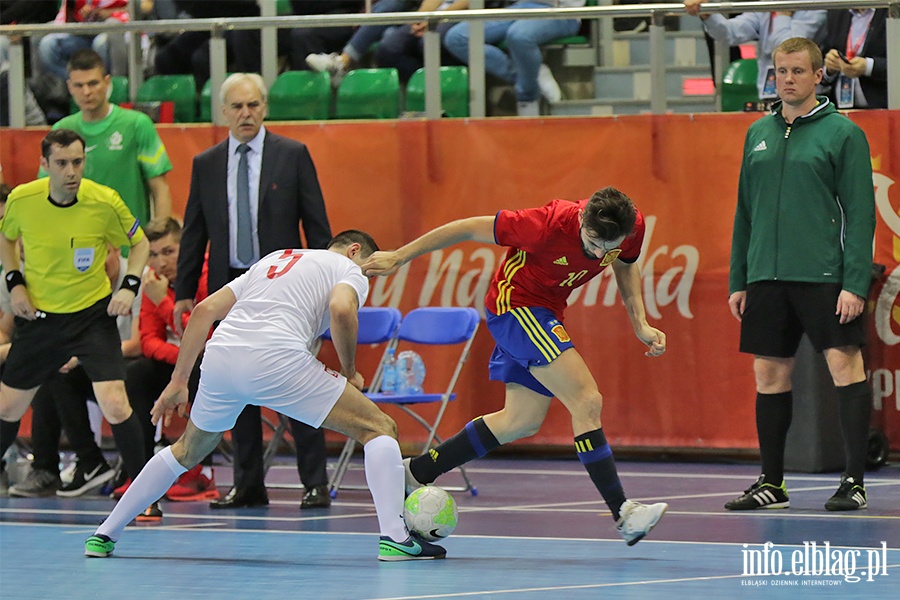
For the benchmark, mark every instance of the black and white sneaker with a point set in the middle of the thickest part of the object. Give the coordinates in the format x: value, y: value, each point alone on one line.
x: 85, y: 480
x: 849, y: 496
x: 761, y: 495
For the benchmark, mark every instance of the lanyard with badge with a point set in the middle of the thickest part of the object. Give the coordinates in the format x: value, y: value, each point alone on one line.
x: 769, y: 90
x: 845, y: 84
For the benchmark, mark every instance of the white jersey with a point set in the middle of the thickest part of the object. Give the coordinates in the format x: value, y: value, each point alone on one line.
x: 282, y: 301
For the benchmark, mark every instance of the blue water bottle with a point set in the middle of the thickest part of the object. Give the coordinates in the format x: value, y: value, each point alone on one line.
x: 389, y: 373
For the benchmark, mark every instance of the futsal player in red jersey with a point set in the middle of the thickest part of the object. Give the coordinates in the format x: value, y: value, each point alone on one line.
x: 552, y: 250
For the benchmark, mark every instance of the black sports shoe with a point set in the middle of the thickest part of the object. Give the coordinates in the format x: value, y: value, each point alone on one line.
x: 151, y: 514
x: 761, y: 495
x: 849, y: 496
x: 85, y: 480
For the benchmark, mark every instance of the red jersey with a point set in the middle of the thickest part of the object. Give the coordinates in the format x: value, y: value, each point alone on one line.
x: 157, y: 323
x: 546, y: 260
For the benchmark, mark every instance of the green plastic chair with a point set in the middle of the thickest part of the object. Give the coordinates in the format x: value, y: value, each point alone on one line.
x: 179, y: 89
x: 739, y: 85
x: 118, y: 95
x: 454, y: 91
x: 369, y: 94
x: 205, y: 99
x: 300, y: 95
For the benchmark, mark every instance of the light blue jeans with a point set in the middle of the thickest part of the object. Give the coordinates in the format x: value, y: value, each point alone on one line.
x: 56, y: 49
x: 523, y: 40
x: 363, y: 38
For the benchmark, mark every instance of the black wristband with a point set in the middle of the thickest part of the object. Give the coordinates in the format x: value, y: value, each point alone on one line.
x: 14, y: 278
x: 132, y: 283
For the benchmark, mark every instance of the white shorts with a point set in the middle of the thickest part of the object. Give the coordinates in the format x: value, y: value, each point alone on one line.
x: 291, y: 382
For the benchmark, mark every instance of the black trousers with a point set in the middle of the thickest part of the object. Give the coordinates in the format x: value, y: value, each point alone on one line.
x: 59, y: 405
x: 145, y: 379
x: 249, y: 470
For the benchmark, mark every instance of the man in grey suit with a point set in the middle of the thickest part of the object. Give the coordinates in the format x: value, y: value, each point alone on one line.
x: 248, y: 197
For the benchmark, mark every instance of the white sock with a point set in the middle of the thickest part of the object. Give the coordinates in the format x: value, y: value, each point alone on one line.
x: 385, y: 476
x: 155, y: 478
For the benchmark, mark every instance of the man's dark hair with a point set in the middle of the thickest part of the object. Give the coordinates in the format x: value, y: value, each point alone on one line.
x: 609, y: 214
x: 355, y: 236
x: 85, y: 60
x: 160, y: 227
x: 62, y: 137
x: 4, y: 192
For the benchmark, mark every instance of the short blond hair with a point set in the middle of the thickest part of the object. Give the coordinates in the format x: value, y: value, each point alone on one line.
x: 799, y: 44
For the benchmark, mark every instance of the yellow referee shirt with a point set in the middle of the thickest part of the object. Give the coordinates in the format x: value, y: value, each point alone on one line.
x: 66, y: 246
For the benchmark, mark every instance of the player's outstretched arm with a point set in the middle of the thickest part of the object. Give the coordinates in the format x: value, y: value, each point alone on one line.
x: 476, y: 229
x: 212, y: 309
x: 628, y: 280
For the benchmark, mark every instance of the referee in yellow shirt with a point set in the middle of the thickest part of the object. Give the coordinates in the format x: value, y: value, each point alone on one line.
x: 63, y: 303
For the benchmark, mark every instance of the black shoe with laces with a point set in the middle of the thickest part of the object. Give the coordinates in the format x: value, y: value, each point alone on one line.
x: 849, y: 496
x: 761, y: 495
x: 86, y: 479
x: 151, y: 514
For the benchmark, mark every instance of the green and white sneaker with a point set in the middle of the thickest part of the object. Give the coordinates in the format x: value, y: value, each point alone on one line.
x: 99, y: 546
x: 761, y: 495
x: 849, y: 496
x: 413, y: 548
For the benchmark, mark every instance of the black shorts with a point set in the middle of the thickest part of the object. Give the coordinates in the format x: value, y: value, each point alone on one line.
x: 40, y: 347
x: 778, y: 313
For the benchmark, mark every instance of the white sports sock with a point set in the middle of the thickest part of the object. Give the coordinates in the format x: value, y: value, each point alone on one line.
x: 155, y: 478
x: 385, y: 476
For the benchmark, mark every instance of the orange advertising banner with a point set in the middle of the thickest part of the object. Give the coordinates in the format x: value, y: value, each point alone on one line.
x: 398, y: 179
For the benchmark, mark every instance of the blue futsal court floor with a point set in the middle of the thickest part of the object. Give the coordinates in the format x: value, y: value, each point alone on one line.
x: 536, y: 530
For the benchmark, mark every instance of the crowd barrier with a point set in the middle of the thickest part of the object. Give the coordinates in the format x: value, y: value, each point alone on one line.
x: 398, y: 179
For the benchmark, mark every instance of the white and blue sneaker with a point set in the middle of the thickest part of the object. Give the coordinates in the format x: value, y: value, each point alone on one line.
x: 412, y: 484
x: 636, y: 519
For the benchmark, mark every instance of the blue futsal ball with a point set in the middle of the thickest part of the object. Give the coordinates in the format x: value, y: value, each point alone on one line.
x: 431, y: 513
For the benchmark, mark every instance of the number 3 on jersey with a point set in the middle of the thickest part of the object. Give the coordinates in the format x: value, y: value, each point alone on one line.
x: 292, y: 259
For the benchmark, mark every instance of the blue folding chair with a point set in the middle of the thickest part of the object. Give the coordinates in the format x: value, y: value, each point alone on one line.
x: 434, y: 326
x: 377, y: 325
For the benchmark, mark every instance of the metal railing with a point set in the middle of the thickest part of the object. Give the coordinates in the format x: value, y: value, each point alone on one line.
x: 268, y: 24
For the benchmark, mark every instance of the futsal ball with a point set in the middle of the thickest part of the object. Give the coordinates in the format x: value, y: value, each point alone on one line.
x: 431, y: 513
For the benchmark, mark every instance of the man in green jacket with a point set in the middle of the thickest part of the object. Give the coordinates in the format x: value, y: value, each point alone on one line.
x: 801, y: 259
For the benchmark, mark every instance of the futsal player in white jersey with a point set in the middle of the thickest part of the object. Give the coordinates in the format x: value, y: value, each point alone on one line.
x: 260, y: 354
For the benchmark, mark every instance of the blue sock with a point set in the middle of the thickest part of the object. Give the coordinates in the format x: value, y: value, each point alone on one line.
x: 596, y: 456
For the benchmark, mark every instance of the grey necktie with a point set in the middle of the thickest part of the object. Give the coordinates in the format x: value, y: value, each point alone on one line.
x: 244, y: 220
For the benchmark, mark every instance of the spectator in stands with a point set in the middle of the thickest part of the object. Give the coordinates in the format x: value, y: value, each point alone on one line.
x: 20, y: 12
x: 55, y: 49
x: 125, y: 149
x: 188, y: 53
x: 861, y: 37
x: 61, y: 404
x: 523, y: 66
x: 148, y: 376
x: 297, y: 43
x: 249, y: 195
x: 768, y: 29
x: 402, y: 47
x: 359, y: 43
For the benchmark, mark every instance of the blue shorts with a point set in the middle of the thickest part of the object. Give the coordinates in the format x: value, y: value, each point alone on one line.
x: 525, y: 337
